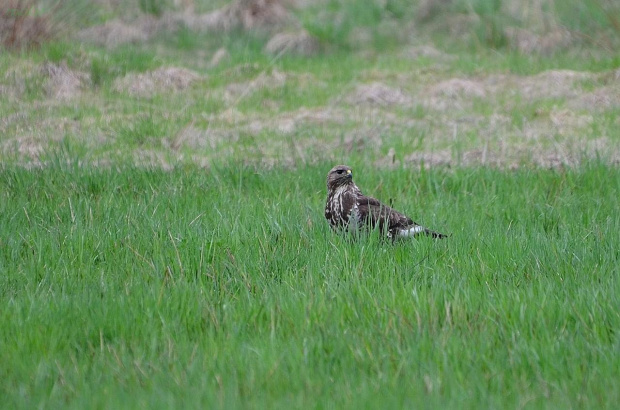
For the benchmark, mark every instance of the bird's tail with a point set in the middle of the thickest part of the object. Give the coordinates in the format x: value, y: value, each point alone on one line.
x: 416, y: 230
x: 434, y: 234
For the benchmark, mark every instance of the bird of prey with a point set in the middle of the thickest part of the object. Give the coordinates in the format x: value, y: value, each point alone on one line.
x: 347, y: 208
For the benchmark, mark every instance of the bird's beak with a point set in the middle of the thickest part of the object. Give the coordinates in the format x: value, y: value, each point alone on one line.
x: 349, y: 173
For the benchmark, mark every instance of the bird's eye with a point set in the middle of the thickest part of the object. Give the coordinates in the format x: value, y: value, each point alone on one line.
x: 340, y: 171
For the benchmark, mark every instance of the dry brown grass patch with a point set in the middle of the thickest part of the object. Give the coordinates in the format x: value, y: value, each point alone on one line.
x: 528, y: 42
x: 424, y: 51
x: 299, y: 43
x: 195, y: 138
x: 235, y: 92
x: 552, y: 84
x: 164, y: 79
x: 62, y: 82
x: 244, y: 14
x: 452, y: 94
x: 116, y: 32
x: 22, y: 27
x: 378, y: 94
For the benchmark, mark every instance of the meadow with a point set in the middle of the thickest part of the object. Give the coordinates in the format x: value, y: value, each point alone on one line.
x: 135, y: 288
x: 162, y: 238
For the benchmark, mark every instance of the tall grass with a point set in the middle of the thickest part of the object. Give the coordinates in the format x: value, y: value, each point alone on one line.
x: 348, y: 24
x: 225, y: 288
x: 478, y: 23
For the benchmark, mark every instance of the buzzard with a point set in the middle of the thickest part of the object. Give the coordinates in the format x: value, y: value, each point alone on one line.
x: 347, y: 208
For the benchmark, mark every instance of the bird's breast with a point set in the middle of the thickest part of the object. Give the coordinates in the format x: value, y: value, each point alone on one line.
x: 340, y: 206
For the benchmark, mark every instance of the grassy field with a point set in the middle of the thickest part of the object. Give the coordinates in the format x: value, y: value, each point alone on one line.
x: 134, y: 288
x: 162, y: 239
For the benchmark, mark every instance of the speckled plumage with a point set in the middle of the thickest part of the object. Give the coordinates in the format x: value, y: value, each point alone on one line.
x: 347, y: 208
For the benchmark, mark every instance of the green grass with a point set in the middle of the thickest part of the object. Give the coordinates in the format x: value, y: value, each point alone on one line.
x: 218, y: 284
x: 223, y: 288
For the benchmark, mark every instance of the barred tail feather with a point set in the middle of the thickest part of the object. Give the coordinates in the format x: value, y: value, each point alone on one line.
x: 434, y: 234
x: 418, y: 229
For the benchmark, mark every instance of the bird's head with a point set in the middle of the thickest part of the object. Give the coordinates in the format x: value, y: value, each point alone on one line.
x: 338, y: 176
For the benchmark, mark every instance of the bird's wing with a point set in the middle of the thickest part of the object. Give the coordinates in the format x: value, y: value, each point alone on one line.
x: 374, y: 213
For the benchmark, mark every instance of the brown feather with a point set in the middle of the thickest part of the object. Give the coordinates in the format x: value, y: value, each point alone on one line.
x: 348, y: 208
x: 375, y: 213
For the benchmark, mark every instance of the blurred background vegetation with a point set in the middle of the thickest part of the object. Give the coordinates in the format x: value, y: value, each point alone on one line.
x: 529, y: 26
x: 244, y: 79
